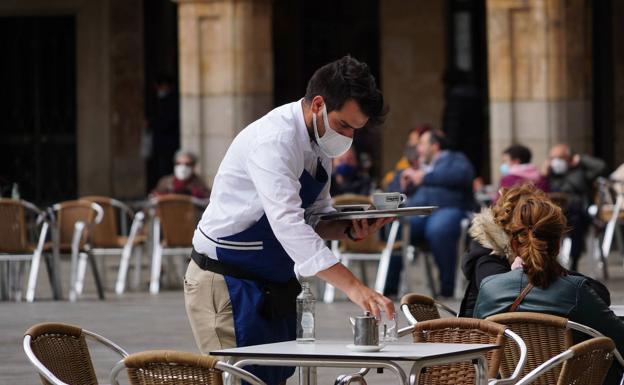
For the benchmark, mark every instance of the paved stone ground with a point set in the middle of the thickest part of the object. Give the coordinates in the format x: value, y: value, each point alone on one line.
x: 139, y: 321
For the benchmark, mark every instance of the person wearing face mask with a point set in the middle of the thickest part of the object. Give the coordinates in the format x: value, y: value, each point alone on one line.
x: 574, y: 175
x: 347, y: 177
x: 184, y: 180
x: 262, y: 225
x: 516, y: 168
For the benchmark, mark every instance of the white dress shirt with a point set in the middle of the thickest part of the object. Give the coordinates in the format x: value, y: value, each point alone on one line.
x: 260, y: 175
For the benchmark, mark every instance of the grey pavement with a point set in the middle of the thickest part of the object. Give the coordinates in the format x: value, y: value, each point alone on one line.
x: 139, y: 321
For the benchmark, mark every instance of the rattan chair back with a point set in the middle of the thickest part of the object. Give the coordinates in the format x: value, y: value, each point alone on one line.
x: 544, y: 335
x: 13, y: 237
x: 590, y: 364
x: 178, y: 219
x: 70, y: 212
x: 104, y: 234
x: 421, y: 307
x: 171, y: 367
x: 63, y: 350
x: 465, y: 331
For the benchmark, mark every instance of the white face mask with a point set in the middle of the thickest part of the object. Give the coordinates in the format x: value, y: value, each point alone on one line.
x: 559, y: 166
x: 332, y: 143
x: 182, y: 171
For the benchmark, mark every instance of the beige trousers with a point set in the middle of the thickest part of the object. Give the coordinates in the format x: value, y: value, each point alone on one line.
x: 209, y: 309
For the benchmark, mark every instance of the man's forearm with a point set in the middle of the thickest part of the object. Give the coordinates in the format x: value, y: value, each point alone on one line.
x: 340, y: 277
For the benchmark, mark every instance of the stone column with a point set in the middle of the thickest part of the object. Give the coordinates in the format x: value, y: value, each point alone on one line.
x: 539, y: 63
x: 412, y: 39
x: 226, y: 73
x: 127, y: 108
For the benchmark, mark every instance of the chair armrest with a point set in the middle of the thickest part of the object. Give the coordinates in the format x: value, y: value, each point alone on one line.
x: 238, y: 372
x: 41, y: 369
x: 543, y: 368
x: 408, y: 315
x: 106, y: 342
x: 405, y: 331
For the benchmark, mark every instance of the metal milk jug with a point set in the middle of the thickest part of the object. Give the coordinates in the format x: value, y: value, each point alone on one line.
x: 365, y: 329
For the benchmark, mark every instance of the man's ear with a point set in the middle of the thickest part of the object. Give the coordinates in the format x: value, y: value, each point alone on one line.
x: 317, y: 104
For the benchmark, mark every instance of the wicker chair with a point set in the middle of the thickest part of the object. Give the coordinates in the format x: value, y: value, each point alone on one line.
x: 586, y: 363
x: 60, y: 353
x: 71, y: 223
x: 165, y: 367
x: 177, y: 215
x: 418, y: 308
x: 107, y: 238
x: 15, y: 245
x: 545, y: 336
x: 371, y: 248
x: 467, y: 331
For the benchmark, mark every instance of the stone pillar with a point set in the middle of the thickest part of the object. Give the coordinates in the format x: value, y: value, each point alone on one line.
x: 412, y: 39
x: 226, y: 73
x: 126, y: 98
x: 539, y: 63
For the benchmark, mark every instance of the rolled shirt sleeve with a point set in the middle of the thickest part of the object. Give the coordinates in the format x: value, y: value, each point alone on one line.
x: 273, y: 168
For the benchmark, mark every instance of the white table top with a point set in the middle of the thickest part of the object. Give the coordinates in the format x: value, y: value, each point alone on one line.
x: 618, y: 310
x: 337, y: 350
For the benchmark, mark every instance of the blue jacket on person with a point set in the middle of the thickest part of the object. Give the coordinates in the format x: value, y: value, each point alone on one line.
x: 448, y: 184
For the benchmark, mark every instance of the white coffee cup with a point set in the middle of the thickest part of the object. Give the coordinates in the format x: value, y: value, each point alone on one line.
x: 388, y: 201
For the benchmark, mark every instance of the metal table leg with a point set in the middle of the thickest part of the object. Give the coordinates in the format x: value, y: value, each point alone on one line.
x: 307, y: 375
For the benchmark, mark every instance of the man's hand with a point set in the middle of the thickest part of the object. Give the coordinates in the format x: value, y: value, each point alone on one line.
x: 367, y: 299
x: 360, y: 228
x: 413, y: 176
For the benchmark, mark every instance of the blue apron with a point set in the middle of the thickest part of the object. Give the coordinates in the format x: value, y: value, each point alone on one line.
x: 257, y: 251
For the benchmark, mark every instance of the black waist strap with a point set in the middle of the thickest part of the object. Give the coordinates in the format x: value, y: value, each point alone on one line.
x: 209, y: 264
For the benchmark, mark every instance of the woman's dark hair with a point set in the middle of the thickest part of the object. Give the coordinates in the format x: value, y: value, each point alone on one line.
x: 519, y: 152
x: 348, y: 78
x: 535, y: 225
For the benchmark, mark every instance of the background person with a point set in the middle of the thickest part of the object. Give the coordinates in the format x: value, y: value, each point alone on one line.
x: 574, y: 175
x: 348, y: 176
x: 444, y: 180
x: 516, y: 168
x: 184, y: 179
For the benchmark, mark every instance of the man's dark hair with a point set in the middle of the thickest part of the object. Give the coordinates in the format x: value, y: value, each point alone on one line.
x: 519, y: 152
x: 344, y: 79
x: 439, y: 137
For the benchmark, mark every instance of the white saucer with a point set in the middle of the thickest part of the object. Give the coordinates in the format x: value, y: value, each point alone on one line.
x: 365, y: 348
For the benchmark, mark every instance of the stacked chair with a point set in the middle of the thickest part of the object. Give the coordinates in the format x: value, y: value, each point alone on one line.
x: 17, y: 245
x: 176, y: 216
x: 113, y: 237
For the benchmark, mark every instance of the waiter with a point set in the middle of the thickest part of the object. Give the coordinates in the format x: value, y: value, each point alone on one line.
x: 262, y: 224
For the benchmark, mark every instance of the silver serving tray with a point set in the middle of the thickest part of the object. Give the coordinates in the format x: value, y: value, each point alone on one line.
x: 400, y: 212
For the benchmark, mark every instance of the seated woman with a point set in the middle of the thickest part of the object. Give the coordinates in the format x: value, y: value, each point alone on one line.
x: 535, y: 228
x: 490, y: 250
